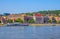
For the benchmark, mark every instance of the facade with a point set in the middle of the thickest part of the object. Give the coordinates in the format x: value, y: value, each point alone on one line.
x: 57, y: 19
x: 46, y: 19
x: 26, y: 18
x: 3, y: 20
x: 50, y: 17
x: 13, y: 17
x: 16, y: 16
x: 0, y: 18
x: 53, y: 20
x: 38, y: 18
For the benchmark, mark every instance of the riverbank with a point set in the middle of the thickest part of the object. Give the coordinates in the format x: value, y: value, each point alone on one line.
x: 2, y: 24
x: 37, y: 24
x: 44, y: 24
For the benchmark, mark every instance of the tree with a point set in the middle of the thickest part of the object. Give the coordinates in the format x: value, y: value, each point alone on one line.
x: 6, y: 14
x: 9, y: 21
x: 29, y: 14
x: 49, y: 21
x: 58, y: 21
x: 57, y: 12
x: 31, y: 21
x: 53, y: 20
x: 19, y: 20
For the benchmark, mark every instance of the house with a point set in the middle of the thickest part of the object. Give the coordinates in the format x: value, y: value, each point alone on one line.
x: 57, y: 19
x: 38, y: 18
x: 0, y: 18
x: 27, y: 18
x: 50, y: 17
x: 46, y: 18
x: 53, y: 20
x: 15, y: 16
x: 3, y: 20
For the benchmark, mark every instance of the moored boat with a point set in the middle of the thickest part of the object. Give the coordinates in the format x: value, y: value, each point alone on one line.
x: 17, y: 24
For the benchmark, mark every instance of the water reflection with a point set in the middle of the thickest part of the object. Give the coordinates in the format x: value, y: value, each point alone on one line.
x: 30, y: 32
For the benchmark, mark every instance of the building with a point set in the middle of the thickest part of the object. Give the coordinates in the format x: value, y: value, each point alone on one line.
x: 27, y: 18
x: 3, y: 20
x: 53, y: 20
x: 57, y: 19
x: 15, y: 16
x: 38, y: 18
x: 50, y: 17
x: 46, y: 18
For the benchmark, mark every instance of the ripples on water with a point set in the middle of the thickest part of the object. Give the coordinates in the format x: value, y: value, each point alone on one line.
x: 30, y: 32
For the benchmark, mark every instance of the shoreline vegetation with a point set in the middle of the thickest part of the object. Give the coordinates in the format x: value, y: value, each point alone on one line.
x: 40, y: 18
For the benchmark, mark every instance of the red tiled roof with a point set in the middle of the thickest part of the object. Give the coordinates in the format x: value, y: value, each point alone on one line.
x: 38, y: 14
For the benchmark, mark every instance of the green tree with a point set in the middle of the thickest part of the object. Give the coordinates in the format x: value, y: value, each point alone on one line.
x: 29, y: 14
x: 9, y: 21
x: 19, y: 20
x: 31, y: 21
x: 54, y: 21
x: 57, y: 12
x: 6, y: 14
x: 49, y: 21
x: 59, y: 21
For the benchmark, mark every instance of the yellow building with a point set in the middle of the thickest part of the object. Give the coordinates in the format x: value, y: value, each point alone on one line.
x: 50, y: 17
x: 57, y: 19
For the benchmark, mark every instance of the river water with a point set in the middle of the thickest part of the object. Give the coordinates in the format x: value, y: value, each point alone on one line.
x: 30, y: 32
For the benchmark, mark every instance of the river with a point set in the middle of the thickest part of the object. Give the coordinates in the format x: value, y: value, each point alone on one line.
x: 30, y: 32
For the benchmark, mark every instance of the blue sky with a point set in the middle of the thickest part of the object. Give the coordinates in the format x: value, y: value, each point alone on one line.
x: 21, y: 6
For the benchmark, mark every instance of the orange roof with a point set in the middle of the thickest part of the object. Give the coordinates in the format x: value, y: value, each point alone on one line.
x: 23, y: 14
x: 57, y: 18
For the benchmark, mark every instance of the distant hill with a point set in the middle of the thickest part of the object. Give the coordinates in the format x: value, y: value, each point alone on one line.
x: 45, y: 12
x: 57, y: 12
x: 50, y: 12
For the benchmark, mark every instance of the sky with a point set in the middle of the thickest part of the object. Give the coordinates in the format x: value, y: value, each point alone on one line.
x: 21, y: 6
